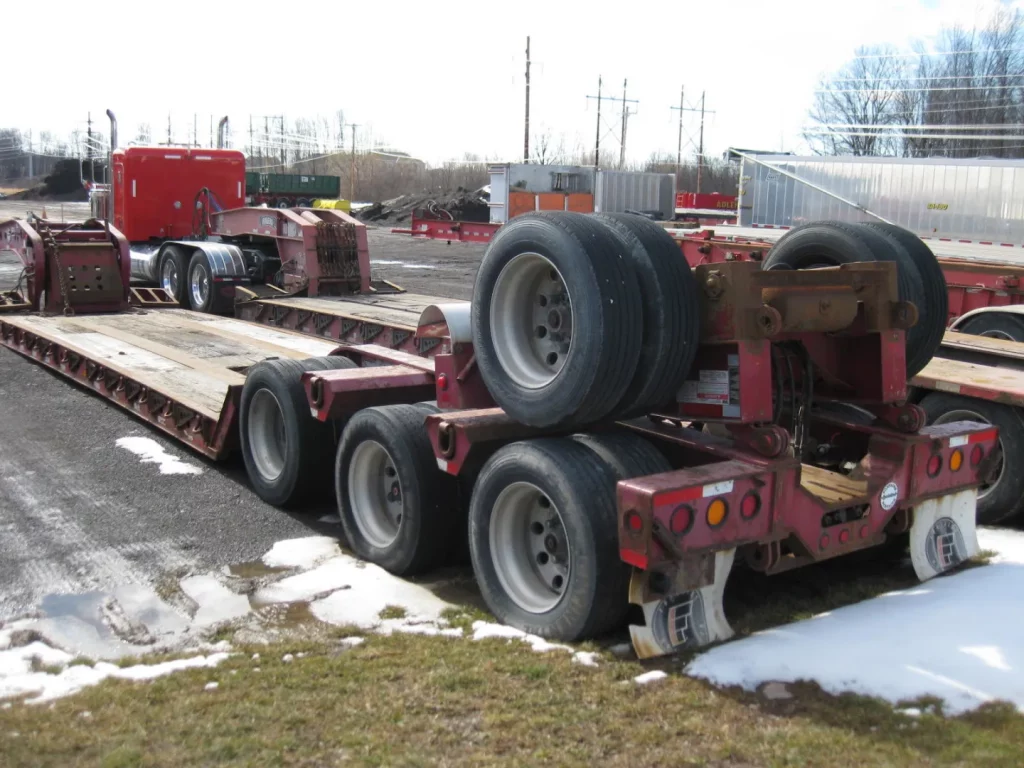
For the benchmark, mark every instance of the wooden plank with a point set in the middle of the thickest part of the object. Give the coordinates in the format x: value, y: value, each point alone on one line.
x: 250, y: 338
x: 999, y: 347
x: 398, y: 310
x: 192, y: 388
x: 217, y: 370
x: 988, y: 382
x: 831, y: 487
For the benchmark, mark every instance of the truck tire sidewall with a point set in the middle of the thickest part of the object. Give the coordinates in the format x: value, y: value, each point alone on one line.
x: 817, y: 244
x: 299, y: 427
x: 597, y: 355
x: 215, y: 303
x: 573, y: 617
x: 402, y: 556
x: 173, y: 254
x: 1007, y: 498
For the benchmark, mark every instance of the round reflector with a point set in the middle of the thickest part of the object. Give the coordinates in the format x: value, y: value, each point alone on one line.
x: 750, y: 505
x: 956, y: 460
x: 634, y: 522
x: 934, y: 465
x: 717, y: 510
x: 977, y: 454
x: 681, y: 521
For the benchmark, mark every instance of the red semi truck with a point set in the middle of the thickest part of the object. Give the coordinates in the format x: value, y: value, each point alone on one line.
x: 624, y: 427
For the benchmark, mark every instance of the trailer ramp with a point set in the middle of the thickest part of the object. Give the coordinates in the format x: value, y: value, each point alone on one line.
x: 181, y: 371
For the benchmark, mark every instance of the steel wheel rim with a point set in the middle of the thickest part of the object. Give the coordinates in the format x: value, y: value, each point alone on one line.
x: 965, y: 414
x: 267, y: 438
x: 200, y: 285
x: 998, y: 335
x: 169, y: 277
x: 531, y: 320
x: 529, y: 548
x: 375, y: 493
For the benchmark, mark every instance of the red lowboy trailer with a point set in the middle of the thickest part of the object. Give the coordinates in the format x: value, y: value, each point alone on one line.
x: 624, y: 427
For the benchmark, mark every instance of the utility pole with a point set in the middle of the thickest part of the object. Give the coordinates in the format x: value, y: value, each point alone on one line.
x: 352, y: 171
x: 30, y: 173
x: 700, y: 146
x: 526, y: 132
x: 195, y: 130
x: 679, y: 147
x: 168, y: 129
x: 266, y: 135
x: 251, y: 150
x: 88, y: 147
x: 597, y: 140
x: 284, y: 152
x: 700, y: 150
x: 625, y: 117
x: 211, y: 132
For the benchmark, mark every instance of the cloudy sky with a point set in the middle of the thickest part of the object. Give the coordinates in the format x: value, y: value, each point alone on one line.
x: 439, y: 80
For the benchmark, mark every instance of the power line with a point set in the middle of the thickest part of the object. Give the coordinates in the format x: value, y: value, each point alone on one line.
x: 922, y: 77
x: 894, y: 134
x: 938, y: 88
x: 936, y: 126
x: 919, y: 54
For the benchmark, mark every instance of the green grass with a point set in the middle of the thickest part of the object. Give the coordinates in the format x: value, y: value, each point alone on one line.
x: 393, y: 612
x: 404, y: 700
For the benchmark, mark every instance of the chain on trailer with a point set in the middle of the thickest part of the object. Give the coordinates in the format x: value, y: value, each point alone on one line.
x: 52, y: 249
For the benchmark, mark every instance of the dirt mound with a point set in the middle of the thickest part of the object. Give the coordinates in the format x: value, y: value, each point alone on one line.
x: 42, y: 192
x: 460, y: 205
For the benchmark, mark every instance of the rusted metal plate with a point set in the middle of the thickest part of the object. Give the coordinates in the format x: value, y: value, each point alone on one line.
x: 335, y: 393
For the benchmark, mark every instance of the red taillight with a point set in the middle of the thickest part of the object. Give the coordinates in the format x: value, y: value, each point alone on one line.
x: 634, y: 523
x: 977, y: 454
x: 750, y: 506
x: 844, y: 536
x: 934, y: 465
x: 681, y: 521
x: 442, y: 381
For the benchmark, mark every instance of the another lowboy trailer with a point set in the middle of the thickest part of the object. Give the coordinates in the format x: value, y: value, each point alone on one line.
x: 592, y: 483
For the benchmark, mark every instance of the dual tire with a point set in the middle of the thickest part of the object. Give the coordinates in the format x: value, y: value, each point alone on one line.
x: 189, y: 280
x: 579, y: 318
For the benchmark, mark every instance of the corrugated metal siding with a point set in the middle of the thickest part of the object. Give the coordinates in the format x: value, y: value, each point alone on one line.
x: 979, y: 200
x: 619, y: 191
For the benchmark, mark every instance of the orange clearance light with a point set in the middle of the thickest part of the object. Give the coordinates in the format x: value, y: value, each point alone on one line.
x: 956, y: 460
x: 717, y: 510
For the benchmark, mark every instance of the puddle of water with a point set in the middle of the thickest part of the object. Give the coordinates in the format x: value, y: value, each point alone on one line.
x: 253, y: 569
x: 216, y: 602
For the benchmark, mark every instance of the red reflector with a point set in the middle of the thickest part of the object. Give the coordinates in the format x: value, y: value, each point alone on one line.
x: 634, y: 522
x: 442, y: 382
x: 681, y: 521
x: 977, y: 454
x: 934, y: 465
x: 750, y: 505
x: 823, y: 541
x: 631, y: 557
x: 844, y: 536
x: 980, y: 437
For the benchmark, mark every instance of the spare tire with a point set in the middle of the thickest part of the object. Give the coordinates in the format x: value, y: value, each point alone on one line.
x: 671, y: 311
x: 833, y: 243
x: 557, y: 320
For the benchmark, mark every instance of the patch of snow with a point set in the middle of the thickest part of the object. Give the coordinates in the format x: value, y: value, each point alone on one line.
x: 255, y: 669
x: 622, y: 650
x: 211, y: 686
x: 586, y: 658
x: 351, y: 642
x: 45, y: 686
x: 483, y: 630
x: 151, y: 452
x: 85, y: 715
x: 255, y: 656
x: 301, y: 553
x: 216, y: 602
x: 775, y: 691
x: 954, y: 638
x: 402, y: 625
x: 910, y: 712
x: 650, y: 677
x: 287, y: 658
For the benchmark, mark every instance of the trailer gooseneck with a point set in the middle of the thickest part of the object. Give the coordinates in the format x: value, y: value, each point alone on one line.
x: 599, y: 425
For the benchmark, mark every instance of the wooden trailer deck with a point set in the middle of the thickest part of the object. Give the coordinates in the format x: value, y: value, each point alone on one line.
x: 181, y: 371
x: 387, y: 319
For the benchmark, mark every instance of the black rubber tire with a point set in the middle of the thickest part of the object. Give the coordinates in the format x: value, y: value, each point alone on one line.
x: 309, y: 443
x: 428, y: 523
x: 1006, y: 497
x: 428, y: 406
x: 607, y: 320
x: 175, y: 254
x: 933, y: 279
x: 215, y: 303
x: 832, y: 243
x: 282, y: 202
x: 628, y: 454
x: 1001, y: 325
x: 582, y: 488
x: 328, y: 363
x: 302, y: 202
x: 671, y: 311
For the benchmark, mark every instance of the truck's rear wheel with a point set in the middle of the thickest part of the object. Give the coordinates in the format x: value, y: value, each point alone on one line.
x: 557, y: 320
x: 671, y: 311
x: 544, y: 540
x: 627, y: 453
x: 389, y: 491
x: 286, y: 451
x: 203, y: 292
x: 1004, y: 497
x: 173, y: 268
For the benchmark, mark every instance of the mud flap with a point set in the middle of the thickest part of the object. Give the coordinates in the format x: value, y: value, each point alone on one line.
x: 943, y: 534
x: 685, y: 620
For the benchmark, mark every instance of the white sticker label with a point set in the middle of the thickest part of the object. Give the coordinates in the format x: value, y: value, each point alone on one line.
x: 717, y: 489
x: 956, y: 442
x: 267, y: 221
x: 889, y: 495
x: 711, y: 387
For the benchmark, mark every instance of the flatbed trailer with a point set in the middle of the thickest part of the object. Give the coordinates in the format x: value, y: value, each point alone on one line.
x: 776, y: 431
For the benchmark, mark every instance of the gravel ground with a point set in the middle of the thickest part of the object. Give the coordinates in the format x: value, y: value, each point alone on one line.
x: 425, y: 266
